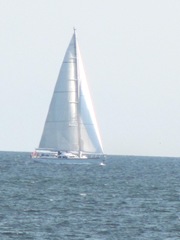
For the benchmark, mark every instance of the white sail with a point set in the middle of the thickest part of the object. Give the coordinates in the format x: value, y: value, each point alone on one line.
x: 71, y: 125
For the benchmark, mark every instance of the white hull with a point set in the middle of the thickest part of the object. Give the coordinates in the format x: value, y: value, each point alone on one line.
x: 59, y: 155
x: 66, y: 159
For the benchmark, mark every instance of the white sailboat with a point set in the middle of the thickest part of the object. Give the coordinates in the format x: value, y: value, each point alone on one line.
x: 70, y: 129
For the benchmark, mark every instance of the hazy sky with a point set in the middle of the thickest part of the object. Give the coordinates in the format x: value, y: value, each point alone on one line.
x: 131, y: 53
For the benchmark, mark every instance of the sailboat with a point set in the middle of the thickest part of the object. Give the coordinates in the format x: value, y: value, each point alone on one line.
x: 70, y: 130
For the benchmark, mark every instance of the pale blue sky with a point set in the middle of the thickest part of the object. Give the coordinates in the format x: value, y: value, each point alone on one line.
x: 131, y: 52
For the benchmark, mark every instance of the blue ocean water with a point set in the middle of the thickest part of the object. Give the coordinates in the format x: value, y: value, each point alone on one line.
x: 129, y: 198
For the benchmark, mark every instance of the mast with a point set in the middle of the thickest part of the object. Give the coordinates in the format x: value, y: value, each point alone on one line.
x: 77, y: 92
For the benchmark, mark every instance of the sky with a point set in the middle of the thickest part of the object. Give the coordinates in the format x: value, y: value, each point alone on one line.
x: 131, y: 53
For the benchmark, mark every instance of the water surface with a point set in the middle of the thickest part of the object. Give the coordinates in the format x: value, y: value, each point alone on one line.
x: 129, y: 198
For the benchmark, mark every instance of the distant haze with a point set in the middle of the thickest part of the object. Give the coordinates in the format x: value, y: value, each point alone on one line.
x: 131, y: 53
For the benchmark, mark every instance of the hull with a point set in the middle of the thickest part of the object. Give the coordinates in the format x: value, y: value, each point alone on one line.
x: 77, y: 161
x: 61, y: 155
x: 67, y: 158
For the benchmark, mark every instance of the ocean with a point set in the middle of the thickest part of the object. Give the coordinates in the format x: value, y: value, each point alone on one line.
x: 131, y: 197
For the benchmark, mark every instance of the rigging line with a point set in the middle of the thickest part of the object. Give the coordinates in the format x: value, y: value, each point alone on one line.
x: 69, y: 61
x: 58, y: 121
x: 63, y: 91
x: 77, y: 88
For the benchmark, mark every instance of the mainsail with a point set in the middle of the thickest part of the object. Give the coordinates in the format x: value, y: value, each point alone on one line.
x: 71, y: 124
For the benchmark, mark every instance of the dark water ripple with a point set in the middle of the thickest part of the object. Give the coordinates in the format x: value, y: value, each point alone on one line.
x: 130, y: 198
